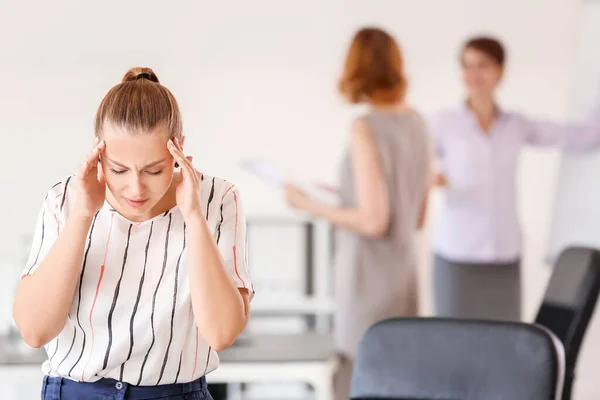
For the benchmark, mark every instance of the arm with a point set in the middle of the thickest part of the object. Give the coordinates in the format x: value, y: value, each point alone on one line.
x: 423, y: 211
x: 55, y: 277
x: 219, y: 280
x: 371, y: 215
x: 437, y: 178
x: 576, y: 137
x: 433, y: 149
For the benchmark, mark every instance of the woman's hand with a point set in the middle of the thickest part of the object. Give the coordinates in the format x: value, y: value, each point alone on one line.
x: 188, y: 187
x: 297, y: 198
x: 91, y: 186
x: 439, y: 179
x: 328, y: 188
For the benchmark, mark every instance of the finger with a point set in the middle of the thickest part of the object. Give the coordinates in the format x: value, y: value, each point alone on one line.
x: 83, y: 170
x: 175, y: 152
x: 180, y: 149
x: 100, y: 174
x: 188, y: 170
x: 197, y: 174
x: 178, y: 155
x: 92, y: 158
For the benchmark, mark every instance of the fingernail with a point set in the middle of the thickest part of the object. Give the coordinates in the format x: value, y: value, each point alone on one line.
x: 96, y: 139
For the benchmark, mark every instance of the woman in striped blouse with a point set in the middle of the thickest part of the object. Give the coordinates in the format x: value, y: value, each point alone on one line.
x: 138, y: 270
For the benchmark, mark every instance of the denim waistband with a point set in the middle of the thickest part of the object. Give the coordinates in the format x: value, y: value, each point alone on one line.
x: 110, y: 387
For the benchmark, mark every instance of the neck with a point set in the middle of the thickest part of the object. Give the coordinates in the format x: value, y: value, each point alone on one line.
x: 397, y: 106
x: 483, y: 107
x: 485, y: 111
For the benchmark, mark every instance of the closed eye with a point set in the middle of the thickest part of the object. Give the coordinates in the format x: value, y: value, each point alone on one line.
x: 120, y: 172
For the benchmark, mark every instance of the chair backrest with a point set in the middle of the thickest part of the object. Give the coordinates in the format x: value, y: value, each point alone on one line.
x: 448, y: 359
x: 569, y: 302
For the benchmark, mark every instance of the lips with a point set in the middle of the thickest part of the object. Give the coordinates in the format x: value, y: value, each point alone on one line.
x: 136, y: 203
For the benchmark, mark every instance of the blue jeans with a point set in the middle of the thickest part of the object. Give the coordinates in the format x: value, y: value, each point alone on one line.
x: 54, y: 388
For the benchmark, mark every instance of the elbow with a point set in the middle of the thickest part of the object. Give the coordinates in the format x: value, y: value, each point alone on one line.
x: 221, y: 341
x: 376, y: 229
x: 34, y: 341
x: 30, y: 335
x: 219, y: 345
x: 32, y: 338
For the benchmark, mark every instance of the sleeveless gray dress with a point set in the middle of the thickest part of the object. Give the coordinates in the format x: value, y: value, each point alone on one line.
x: 376, y: 278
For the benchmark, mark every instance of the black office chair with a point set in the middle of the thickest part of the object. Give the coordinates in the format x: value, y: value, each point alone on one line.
x: 448, y: 359
x: 569, y: 303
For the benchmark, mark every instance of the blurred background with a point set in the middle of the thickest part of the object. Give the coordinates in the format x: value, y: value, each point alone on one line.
x: 258, y: 80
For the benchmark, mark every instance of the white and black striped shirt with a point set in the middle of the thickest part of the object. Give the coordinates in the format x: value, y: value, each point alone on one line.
x: 131, y: 317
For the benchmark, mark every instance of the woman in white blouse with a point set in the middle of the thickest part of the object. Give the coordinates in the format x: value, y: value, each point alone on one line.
x: 477, y: 241
x: 137, y: 272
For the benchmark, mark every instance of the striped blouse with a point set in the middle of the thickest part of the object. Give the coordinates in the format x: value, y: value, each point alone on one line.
x: 131, y: 318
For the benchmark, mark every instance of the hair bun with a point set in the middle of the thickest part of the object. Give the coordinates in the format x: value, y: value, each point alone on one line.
x: 136, y: 73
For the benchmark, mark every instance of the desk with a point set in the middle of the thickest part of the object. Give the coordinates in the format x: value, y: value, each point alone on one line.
x: 306, y: 358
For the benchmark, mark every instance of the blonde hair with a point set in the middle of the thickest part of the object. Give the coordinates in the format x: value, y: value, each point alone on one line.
x: 139, y: 104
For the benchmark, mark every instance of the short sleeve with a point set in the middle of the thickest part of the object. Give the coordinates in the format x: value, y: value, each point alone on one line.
x: 232, y: 239
x: 48, y: 225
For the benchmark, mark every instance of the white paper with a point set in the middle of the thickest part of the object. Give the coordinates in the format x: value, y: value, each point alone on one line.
x: 274, y: 176
x: 264, y: 171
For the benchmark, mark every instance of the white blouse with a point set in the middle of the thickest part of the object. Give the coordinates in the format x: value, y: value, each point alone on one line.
x: 131, y: 318
x: 479, y: 221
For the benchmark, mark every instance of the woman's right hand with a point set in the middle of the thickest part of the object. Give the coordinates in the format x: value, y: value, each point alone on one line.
x: 328, y: 188
x: 91, y: 186
x: 439, y: 179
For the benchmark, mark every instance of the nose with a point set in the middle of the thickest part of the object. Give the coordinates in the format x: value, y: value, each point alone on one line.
x: 136, y: 185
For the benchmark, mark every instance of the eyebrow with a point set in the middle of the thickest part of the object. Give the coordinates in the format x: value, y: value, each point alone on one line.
x: 152, y: 164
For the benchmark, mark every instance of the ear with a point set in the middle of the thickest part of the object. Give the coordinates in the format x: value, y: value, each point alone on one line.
x: 182, y: 141
x: 501, y: 74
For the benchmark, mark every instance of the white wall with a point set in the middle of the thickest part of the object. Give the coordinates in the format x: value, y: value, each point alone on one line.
x: 258, y: 79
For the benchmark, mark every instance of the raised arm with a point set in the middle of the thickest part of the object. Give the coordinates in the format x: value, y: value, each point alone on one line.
x: 48, y: 283
x: 573, y: 136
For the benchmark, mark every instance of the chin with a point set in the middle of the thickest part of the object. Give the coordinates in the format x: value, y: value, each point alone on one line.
x: 480, y: 91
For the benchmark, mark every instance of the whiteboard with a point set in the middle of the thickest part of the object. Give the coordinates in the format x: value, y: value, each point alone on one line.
x: 576, y: 219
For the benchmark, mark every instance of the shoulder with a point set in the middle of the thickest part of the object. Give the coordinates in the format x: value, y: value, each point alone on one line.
x: 417, y: 118
x: 222, y: 201
x: 219, y: 189
x: 59, y: 197
x: 360, y: 124
x: 360, y: 135
x: 61, y: 190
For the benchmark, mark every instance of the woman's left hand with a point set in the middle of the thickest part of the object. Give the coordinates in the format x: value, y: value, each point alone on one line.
x: 188, y: 187
x: 297, y: 198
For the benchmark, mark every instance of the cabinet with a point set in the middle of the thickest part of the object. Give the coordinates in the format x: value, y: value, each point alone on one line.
x: 20, y: 382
